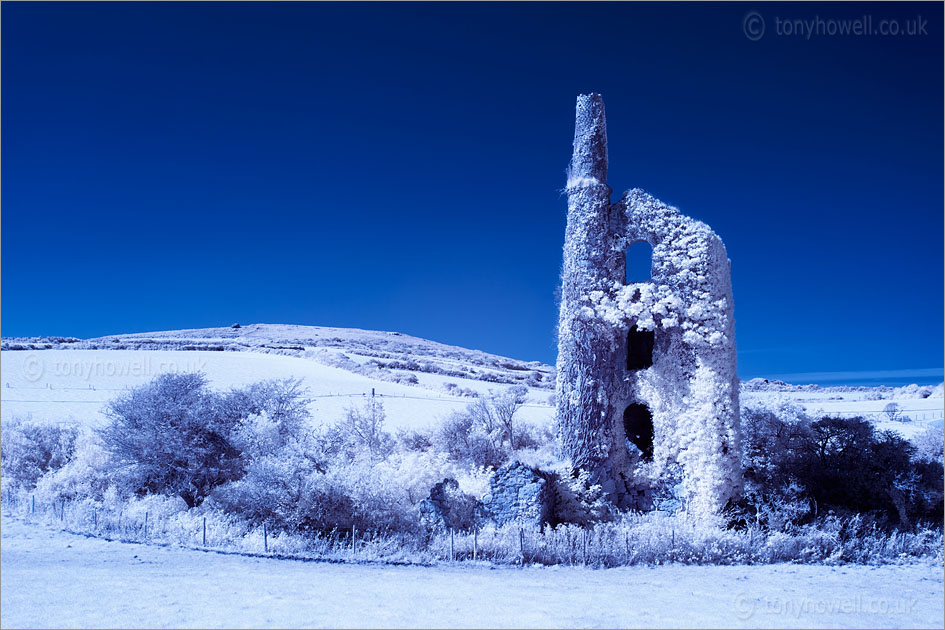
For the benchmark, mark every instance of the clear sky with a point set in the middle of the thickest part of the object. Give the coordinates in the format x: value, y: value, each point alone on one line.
x: 399, y: 167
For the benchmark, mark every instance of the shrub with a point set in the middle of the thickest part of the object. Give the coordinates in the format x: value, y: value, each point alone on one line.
x: 449, y: 508
x: 29, y: 450
x: 174, y: 436
x: 279, y: 490
x: 348, y: 475
x: 362, y: 429
x: 930, y: 445
x: 283, y: 401
x: 893, y: 412
x: 85, y: 475
x: 487, y: 432
x: 414, y: 440
x: 578, y: 501
x: 796, y: 468
x: 466, y: 441
x: 495, y: 414
x: 826, y: 490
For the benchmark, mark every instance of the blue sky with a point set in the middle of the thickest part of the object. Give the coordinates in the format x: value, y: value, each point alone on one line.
x: 399, y: 167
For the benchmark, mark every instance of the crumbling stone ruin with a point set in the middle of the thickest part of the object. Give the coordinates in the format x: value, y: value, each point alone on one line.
x: 518, y: 494
x: 647, y: 392
x: 448, y: 507
x: 521, y: 494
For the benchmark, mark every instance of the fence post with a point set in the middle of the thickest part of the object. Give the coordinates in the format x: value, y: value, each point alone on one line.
x: 475, y: 543
x: 32, y: 504
x: 204, y: 531
x: 451, y: 544
x: 62, y: 509
x: 584, y: 547
x: 354, y: 539
x: 265, y: 539
x: 628, y: 547
x: 521, y: 543
x: 146, y: 524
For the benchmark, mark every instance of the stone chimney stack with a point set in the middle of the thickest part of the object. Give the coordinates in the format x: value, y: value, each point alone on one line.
x: 589, y: 161
x: 587, y: 346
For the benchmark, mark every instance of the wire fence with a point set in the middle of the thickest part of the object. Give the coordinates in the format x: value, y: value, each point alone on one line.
x: 515, y: 544
x: 635, y: 539
x: 902, y: 414
x: 365, y: 394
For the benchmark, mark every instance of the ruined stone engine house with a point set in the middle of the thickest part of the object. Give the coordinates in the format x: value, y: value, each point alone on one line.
x: 647, y: 392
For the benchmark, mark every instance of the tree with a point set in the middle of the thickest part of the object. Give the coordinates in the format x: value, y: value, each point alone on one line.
x: 364, y: 427
x: 839, y: 463
x: 466, y: 440
x: 176, y: 436
x: 848, y: 464
x: 495, y: 412
x: 283, y: 402
x: 893, y: 412
x: 171, y: 436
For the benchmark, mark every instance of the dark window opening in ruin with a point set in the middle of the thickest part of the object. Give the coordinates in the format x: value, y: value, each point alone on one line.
x: 640, y: 348
x: 639, y: 262
x: 638, y: 424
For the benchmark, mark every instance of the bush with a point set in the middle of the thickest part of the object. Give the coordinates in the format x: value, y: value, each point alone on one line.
x: 797, y: 468
x: 495, y: 414
x: 466, y: 441
x: 413, y: 440
x: 487, y: 433
x: 283, y: 402
x: 29, y: 450
x: 348, y: 475
x: 449, y: 508
x: 930, y: 445
x: 578, y: 501
x: 843, y: 463
x: 362, y: 430
x: 174, y: 436
x: 284, y: 491
x: 85, y: 475
x: 893, y: 412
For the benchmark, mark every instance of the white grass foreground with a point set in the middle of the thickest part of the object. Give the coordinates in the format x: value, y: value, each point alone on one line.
x: 56, y: 579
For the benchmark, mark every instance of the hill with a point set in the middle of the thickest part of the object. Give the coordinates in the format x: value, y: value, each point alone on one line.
x: 418, y: 380
x: 63, y: 378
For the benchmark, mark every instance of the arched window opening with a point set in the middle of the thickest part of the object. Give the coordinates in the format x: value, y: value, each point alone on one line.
x: 639, y: 262
x: 638, y: 424
x: 640, y: 348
